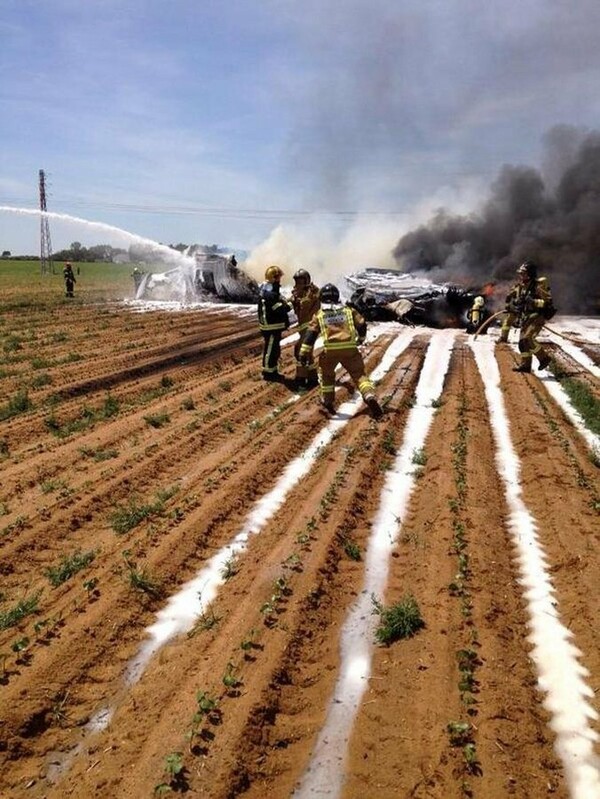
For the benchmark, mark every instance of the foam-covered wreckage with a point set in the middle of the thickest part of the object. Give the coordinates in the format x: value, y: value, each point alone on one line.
x: 209, y: 276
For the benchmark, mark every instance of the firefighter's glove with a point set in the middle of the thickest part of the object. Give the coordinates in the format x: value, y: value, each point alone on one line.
x: 517, y: 307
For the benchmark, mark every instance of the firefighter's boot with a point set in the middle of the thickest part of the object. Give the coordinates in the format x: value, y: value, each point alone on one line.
x: 544, y: 360
x: 374, y: 406
x: 327, y: 406
x: 524, y: 368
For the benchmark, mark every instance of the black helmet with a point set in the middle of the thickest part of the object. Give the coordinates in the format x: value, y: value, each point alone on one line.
x: 528, y: 268
x: 302, y: 274
x: 330, y: 293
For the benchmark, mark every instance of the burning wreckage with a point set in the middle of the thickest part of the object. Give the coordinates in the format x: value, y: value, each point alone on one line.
x: 385, y: 295
x: 378, y: 294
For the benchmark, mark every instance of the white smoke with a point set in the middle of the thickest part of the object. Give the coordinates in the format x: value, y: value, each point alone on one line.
x: 329, y: 252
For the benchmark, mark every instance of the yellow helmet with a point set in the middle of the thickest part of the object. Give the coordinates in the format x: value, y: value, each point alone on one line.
x: 273, y: 274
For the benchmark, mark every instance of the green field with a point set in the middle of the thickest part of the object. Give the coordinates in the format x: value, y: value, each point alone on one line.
x: 22, y: 283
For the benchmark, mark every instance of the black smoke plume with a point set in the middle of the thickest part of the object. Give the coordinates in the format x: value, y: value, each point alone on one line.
x: 552, y: 219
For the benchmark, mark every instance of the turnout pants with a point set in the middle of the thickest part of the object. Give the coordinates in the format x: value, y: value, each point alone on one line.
x: 352, y: 361
x: 508, y: 321
x: 271, y: 351
x: 304, y: 374
x: 528, y: 343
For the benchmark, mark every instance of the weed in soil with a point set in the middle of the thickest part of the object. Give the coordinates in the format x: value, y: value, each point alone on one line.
x: 402, y: 620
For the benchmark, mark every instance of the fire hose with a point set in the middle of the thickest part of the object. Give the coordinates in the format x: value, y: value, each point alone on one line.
x: 546, y: 327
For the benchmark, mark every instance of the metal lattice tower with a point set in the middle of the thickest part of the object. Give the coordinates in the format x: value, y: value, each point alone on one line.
x: 46, y: 265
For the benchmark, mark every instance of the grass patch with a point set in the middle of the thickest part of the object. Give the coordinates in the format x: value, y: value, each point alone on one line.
x: 88, y: 416
x: 68, y: 566
x: 10, y: 618
x: 584, y: 402
x: 19, y: 403
x: 157, y: 419
x: 99, y: 454
x: 125, y: 517
x: 419, y: 458
x: 402, y: 620
x: 140, y: 580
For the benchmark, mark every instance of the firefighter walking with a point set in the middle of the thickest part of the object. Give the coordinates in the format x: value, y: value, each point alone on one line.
x: 529, y: 300
x: 306, y: 301
x: 69, y: 279
x: 342, y: 330
x: 273, y: 320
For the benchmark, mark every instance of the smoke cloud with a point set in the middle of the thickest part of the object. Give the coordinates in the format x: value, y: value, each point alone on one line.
x: 550, y: 216
x: 326, y: 253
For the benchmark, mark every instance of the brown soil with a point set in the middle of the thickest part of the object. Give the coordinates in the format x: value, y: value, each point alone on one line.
x: 164, y: 415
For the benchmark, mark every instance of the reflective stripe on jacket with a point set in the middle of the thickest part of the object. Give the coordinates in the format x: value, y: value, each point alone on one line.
x: 272, y: 309
x: 341, y: 328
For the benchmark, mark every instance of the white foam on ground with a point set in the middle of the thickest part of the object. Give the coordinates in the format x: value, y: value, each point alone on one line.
x: 560, y: 396
x: 560, y: 675
x: 325, y: 773
x: 183, y: 609
x: 575, y: 352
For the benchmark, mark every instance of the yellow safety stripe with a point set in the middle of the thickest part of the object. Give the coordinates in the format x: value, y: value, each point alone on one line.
x: 277, y: 326
x: 339, y: 345
x: 365, y: 385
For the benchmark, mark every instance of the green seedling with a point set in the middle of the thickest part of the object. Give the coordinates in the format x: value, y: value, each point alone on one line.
x: 419, y: 458
x: 205, y: 621
x: 140, y: 580
x: 10, y: 618
x: 20, y: 645
x: 90, y: 587
x: 68, y: 566
x: 293, y: 562
x: 248, y: 642
x: 230, y: 568
x: 460, y: 732
x: 352, y: 549
x: 230, y: 681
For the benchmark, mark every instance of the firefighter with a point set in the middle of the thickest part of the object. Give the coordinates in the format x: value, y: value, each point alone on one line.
x: 342, y: 329
x: 273, y: 320
x: 510, y: 316
x: 476, y: 314
x: 137, y: 276
x: 530, y: 301
x: 306, y: 302
x: 69, y: 279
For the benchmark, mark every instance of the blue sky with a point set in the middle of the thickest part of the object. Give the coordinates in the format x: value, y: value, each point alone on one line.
x: 202, y: 121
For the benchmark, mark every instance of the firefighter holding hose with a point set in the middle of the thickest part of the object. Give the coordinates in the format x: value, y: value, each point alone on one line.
x: 342, y: 330
x: 530, y: 300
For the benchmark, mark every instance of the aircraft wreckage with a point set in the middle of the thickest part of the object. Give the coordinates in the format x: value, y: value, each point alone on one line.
x: 378, y: 294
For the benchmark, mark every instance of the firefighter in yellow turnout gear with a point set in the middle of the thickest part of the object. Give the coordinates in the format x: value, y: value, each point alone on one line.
x: 531, y: 301
x: 342, y: 330
x: 306, y: 301
x: 476, y: 314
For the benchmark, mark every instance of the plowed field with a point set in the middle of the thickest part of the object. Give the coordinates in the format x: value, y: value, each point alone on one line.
x: 141, y: 453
